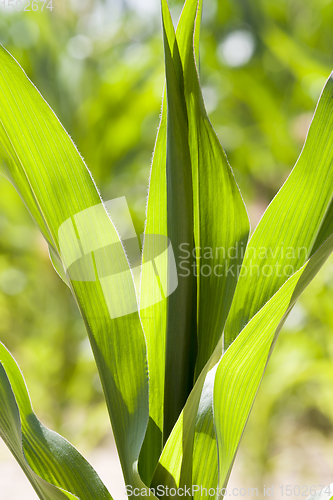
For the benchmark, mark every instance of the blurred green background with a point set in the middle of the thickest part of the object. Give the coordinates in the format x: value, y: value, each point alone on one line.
x: 99, y: 64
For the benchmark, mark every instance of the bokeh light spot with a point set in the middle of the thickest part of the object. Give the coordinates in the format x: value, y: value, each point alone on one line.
x: 12, y: 281
x: 79, y: 47
x: 237, y: 48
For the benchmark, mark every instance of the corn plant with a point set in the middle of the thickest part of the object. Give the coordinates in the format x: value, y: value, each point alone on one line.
x: 180, y: 355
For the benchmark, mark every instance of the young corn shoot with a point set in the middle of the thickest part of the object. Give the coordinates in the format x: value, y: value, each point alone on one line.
x: 181, y: 364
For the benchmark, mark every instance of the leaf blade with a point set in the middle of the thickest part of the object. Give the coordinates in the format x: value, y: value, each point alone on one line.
x: 42, y: 162
x: 221, y: 222
x: 242, y: 366
x: 292, y: 221
x: 68, y: 474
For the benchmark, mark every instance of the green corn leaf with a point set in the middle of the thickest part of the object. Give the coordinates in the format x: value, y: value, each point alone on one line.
x: 154, y: 317
x: 296, y: 223
x: 311, y: 229
x: 211, y: 207
x: 181, y: 312
x: 190, y: 454
x: 153, y: 303
x: 54, y: 467
x: 241, y: 368
x: 41, y: 161
x: 221, y: 224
